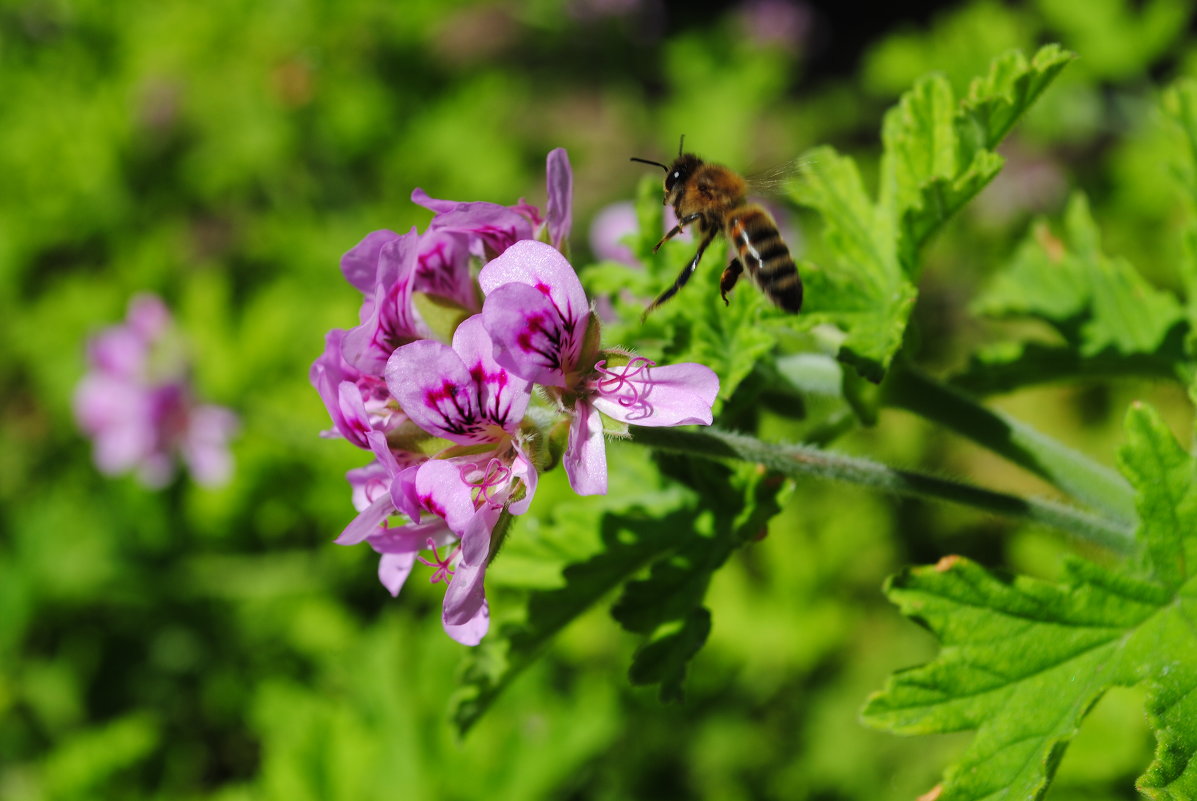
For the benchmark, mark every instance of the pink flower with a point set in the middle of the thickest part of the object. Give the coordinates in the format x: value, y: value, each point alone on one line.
x: 136, y: 403
x: 537, y: 314
x: 454, y: 499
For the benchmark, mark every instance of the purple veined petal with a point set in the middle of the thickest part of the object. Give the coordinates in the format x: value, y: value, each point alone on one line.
x: 502, y: 393
x: 560, y: 181
x: 523, y: 469
x: 330, y: 368
x: 543, y: 267
x: 367, y: 522
x: 441, y: 490
x: 436, y: 391
x: 360, y: 264
x: 388, y: 323
x: 397, y: 259
x: 443, y: 268
x: 585, y: 458
x: 490, y: 228
x: 639, y: 393
x: 393, y: 570
x: 531, y: 338
x: 351, y: 418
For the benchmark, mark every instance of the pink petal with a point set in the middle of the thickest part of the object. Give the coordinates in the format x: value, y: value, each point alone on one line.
x: 558, y: 214
x: 673, y: 395
x: 441, y: 491
x: 530, y: 337
x: 472, y: 630
x: 401, y: 478
x: 543, y: 267
x: 443, y: 269
x: 205, y: 445
x: 393, y: 570
x: 523, y: 469
x: 367, y: 346
x: 368, y: 484
x: 437, y: 392
x: 490, y: 228
x: 503, y: 394
x: 585, y: 458
x: 148, y: 316
x: 350, y: 416
x: 367, y: 522
x: 360, y: 264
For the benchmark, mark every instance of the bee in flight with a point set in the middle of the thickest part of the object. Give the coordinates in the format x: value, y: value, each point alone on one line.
x: 715, y: 198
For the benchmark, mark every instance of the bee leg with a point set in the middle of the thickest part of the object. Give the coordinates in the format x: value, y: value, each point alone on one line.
x: 684, y: 275
x: 677, y: 229
x: 729, y: 278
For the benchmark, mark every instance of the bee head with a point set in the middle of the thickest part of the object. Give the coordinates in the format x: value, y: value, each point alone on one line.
x: 678, y: 173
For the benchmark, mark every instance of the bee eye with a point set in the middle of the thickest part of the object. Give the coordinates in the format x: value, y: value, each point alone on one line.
x: 672, y: 179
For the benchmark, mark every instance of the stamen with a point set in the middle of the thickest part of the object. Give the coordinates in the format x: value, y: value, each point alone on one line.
x: 443, y: 571
x: 495, y: 476
x: 620, y: 385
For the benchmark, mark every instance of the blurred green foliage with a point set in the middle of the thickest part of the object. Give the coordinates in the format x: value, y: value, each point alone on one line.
x: 214, y: 644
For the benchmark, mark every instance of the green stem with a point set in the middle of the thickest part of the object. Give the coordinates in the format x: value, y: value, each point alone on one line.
x: 1090, y: 483
x: 798, y: 460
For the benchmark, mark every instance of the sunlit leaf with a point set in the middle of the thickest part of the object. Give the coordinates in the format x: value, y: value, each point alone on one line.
x: 1024, y: 660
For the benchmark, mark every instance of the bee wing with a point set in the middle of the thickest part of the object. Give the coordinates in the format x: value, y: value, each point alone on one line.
x: 773, y: 181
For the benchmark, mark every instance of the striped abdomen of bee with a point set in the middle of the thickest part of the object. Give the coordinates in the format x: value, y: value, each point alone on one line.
x: 763, y: 255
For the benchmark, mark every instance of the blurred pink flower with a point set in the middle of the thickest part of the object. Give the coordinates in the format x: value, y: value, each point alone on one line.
x: 136, y: 403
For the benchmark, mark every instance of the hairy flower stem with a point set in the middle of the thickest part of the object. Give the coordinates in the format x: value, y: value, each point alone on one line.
x: 1092, y: 484
x: 797, y: 460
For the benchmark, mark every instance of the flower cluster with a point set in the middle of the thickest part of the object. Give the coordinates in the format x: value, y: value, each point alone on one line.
x: 137, y: 405
x: 444, y: 409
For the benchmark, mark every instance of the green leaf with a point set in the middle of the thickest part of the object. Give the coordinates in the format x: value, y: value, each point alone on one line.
x: 740, y: 503
x: 864, y: 292
x: 1024, y: 660
x: 924, y: 180
x: 664, y: 660
x: 629, y: 543
x: 938, y: 155
x: 996, y: 102
x: 1098, y: 303
x: 1007, y: 366
x: 729, y: 339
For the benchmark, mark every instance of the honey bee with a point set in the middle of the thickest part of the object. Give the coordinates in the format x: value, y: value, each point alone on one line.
x: 715, y: 198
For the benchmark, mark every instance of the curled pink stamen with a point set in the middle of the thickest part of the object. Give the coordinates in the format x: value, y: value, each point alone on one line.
x: 494, y: 477
x: 620, y: 386
x: 443, y: 570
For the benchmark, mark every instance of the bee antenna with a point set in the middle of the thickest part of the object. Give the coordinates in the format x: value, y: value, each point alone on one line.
x: 681, y: 142
x: 654, y: 163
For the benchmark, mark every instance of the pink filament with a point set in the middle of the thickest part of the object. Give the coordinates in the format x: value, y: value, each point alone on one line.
x: 620, y: 385
x: 443, y: 570
x: 494, y: 477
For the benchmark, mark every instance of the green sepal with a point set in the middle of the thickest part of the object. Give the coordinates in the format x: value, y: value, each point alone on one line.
x: 441, y: 315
